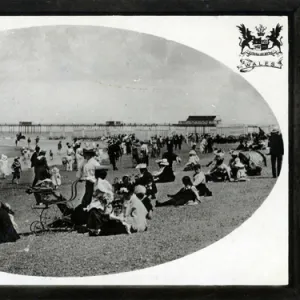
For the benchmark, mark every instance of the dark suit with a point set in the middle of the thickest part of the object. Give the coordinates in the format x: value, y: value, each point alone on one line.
x: 276, y: 151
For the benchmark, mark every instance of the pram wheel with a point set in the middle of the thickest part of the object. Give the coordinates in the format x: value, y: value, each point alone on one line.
x: 49, y: 216
x: 36, y: 227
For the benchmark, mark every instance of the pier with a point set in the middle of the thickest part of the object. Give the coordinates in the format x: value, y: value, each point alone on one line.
x: 142, y: 131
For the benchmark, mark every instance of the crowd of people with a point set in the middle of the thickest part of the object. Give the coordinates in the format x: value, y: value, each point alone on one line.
x: 127, y: 205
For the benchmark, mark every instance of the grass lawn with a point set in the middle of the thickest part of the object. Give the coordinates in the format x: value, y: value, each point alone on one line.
x: 173, y: 232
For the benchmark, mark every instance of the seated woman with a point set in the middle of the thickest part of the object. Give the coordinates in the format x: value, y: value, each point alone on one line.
x: 238, y: 170
x: 132, y: 217
x: 125, y: 182
x: 100, y: 209
x: 200, y: 182
x: 8, y: 228
x: 146, y: 179
x: 220, y: 171
x: 193, y: 160
x: 165, y: 173
x: 187, y: 195
x: 140, y: 192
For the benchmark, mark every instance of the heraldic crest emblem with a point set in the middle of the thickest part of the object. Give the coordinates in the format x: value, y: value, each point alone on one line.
x: 261, y: 49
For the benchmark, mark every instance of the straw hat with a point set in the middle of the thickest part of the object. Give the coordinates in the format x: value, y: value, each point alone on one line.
x: 102, y: 168
x: 140, y: 189
x: 141, y: 166
x: 124, y: 190
x: 219, y: 153
x: 103, y: 186
x: 238, y: 164
x: 234, y: 153
x: 164, y: 162
x: 192, y: 152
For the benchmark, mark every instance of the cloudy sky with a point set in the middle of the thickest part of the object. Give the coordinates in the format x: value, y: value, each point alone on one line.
x: 71, y: 74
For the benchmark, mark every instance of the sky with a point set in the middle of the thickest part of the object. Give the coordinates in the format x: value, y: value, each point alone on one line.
x: 85, y: 74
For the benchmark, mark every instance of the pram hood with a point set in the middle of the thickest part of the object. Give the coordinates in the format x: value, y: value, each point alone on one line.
x: 253, y: 158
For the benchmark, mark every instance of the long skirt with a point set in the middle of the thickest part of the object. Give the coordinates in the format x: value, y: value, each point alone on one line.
x: 181, y: 198
x: 98, y: 221
x: 7, y: 230
x: 88, y: 195
x: 203, y: 190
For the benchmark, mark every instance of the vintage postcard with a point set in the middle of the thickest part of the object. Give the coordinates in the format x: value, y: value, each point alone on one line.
x: 144, y: 150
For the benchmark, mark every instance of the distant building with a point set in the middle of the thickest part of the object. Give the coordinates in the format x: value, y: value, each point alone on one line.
x: 205, y: 121
x: 25, y: 123
x: 114, y: 123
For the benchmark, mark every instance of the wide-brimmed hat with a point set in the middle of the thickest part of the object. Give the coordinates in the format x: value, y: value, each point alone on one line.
x: 234, y: 153
x: 140, y: 189
x: 192, y: 152
x: 275, y: 129
x: 239, y: 164
x: 219, y: 153
x: 102, y: 168
x: 141, y: 166
x: 124, y: 190
x: 103, y: 186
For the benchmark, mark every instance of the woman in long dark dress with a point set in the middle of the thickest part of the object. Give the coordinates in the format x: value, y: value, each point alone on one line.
x: 7, y: 231
x: 187, y: 195
x: 165, y: 174
x: 42, y: 172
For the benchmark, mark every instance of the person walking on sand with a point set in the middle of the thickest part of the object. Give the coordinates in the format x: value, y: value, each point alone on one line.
x: 16, y: 170
x: 3, y: 167
x: 59, y: 147
x: 37, y: 139
x: 29, y: 142
x: 276, y: 151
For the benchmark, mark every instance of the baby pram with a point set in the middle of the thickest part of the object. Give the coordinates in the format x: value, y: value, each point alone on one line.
x: 53, y: 211
x: 253, y: 161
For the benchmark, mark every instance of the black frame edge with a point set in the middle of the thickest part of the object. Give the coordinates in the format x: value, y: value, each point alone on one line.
x: 292, y: 9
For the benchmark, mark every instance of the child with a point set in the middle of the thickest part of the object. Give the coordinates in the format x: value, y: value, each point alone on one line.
x: 51, y: 154
x: 16, y: 170
x: 64, y: 162
x: 55, y: 177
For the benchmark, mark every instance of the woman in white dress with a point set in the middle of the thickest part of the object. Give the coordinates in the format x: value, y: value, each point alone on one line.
x: 4, y: 169
x: 79, y: 157
x: 70, y: 158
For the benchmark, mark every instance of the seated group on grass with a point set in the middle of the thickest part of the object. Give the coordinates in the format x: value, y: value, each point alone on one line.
x: 126, y: 206
x: 235, y: 171
x: 110, y: 211
x: 191, y: 192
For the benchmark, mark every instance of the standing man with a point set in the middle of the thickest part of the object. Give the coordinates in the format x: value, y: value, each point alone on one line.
x: 37, y: 139
x: 59, y: 147
x: 86, y: 172
x: 29, y: 142
x: 112, y: 154
x: 276, y: 151
x: 33, y: 160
